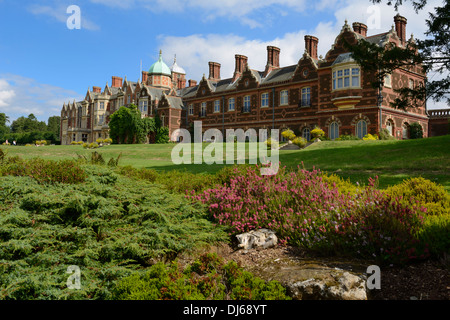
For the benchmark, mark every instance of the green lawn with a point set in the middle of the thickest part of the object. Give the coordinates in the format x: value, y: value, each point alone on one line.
x: 391, y: 161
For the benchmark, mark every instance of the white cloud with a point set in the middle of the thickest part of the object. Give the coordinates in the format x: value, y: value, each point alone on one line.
x: 26, y: 95
x: 60, y: 14
x: 6, y: 93
x: 195, y: 51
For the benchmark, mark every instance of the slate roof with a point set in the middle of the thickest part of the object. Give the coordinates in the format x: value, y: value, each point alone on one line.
x: 188, y: 92
x: 279, y: 75
x: 344, y: 57
x: 378, y: 39
x: 175, y: 102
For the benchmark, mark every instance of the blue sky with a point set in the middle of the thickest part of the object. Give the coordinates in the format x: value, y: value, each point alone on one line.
x: 44, y: 64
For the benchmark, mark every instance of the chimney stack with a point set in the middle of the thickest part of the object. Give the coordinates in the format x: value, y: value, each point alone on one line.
x: 360, y: 28
x: 144, y: 76
x: 241, y: 63
x: 181, y: 83
x: 116, y: 82
x: 273, y: 59
x: 192, y: 83
x: 400, y: 27
x: 97, y: 89
x: 311, y: 43
x: 214, y: 71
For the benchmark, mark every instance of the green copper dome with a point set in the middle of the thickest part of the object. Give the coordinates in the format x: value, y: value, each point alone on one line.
x: 159, y: 67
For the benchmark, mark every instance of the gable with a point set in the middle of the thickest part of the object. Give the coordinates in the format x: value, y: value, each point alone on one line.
x: 306, y: 69
x: 338, y: 48
x: 247, y: 80
x: 204, y: 89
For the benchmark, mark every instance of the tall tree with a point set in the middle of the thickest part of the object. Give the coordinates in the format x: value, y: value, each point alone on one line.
x: 433, y: 54
x: 4, y: 119
x: 4, y: 129
x: 54, y: 125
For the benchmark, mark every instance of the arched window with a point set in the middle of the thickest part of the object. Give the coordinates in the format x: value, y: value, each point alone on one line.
x: 405, y: 133
x: 334, y: 131
x: 306, y: 133
x: 361, y: 129
x: 390, y: 127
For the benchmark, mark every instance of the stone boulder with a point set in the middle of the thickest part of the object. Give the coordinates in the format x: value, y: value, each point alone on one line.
x: 307, y: 279
x: 333, y: 286
x: 262, y: 238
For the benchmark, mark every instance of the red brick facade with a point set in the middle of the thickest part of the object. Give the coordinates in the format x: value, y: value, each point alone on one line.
x: 303, y: 96
x: 332, y: 93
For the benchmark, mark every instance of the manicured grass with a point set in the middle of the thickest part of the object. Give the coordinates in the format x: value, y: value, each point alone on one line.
x: 392, y: 161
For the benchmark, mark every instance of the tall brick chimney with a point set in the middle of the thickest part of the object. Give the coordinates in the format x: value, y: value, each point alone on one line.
x: 311, y: 43
x: 273, y: 59
x: 214, y: 71
x: 144, y: 76
x: 241, y: 63
x: 97, y: 89
x: 181, y: 83
x: 360, y: 28
x: 116, y: 82
x: 400, y: 27
x: 192, y: 83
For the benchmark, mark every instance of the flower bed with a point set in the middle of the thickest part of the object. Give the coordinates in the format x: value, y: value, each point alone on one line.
x: 306, y: 210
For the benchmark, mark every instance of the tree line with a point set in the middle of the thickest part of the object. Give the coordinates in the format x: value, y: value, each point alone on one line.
x: 27, y: 130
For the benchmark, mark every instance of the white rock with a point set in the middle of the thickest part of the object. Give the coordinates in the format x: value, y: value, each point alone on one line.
x: 262, y: 238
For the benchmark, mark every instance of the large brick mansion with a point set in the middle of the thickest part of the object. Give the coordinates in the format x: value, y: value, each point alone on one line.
x: 330, y: 92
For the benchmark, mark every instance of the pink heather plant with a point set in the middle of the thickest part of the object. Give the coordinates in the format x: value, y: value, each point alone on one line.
x: 305, y: 211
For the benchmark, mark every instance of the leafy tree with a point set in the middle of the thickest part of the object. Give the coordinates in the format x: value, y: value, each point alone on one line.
x: 4, y: 129
x: 162, y: 135
x: 127, y: 126
x: 3, y: 119
x: 149, y: 128
x: 31, y: 123
x: 432, y: 53
x: 415, y: 131
x: 122, y: 125
x: 54, y: 125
